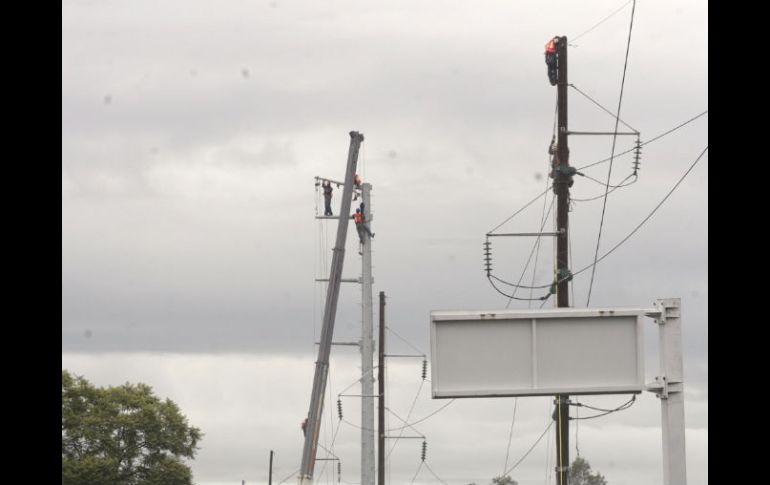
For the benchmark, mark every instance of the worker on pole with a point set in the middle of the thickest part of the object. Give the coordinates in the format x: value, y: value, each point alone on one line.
x: 551, y: 60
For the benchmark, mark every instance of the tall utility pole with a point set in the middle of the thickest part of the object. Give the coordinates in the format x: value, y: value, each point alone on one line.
x: 315, y: 412
x: 367, y: 348
x: 381, y: 394
x: 562, y: 180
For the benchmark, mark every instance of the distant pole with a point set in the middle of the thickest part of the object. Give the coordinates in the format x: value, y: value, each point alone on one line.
x: 270, y: 476
x: 561, y: 183
x: 381, y: 393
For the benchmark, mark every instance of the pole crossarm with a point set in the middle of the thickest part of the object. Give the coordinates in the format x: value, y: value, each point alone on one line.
x: 533, y: 234
x: 610, y: 133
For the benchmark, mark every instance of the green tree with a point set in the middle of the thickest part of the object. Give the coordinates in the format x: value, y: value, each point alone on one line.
x: 123, y: 436
x: 504, y: 480
x: 580, y: 474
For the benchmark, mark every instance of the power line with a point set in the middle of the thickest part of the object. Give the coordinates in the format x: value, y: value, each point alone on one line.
x: 537, y: 253
x: 417, y: 472
x: 510, y: 435
x: 599, y: 162
x: 331, y: 445
x: 648, y: 216
x: 407, y: 425
x: 536, y: 246
x: 518, y: 211
x: 654, y: 139
x: 654, y: 210
x: 518, y: 284
x: 621, y: 184
x: 544, y: 297
x: 416, y: 396
x: 529, y: 451
x: 288, y: 477
x: 577, y: 428
x: 622, y: 407
x: 648, y: 141
x: 614, y: 187
x: 424, y: 418
x: 405, y: 341
x: 602, y: 107
x: 434, y: 473
x: 600, y: 22
x: 612, y: 152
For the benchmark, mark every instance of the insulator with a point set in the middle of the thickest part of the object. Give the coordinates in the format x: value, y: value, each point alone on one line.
x: 339, y: 407
x: 424, y: 450
x: 424, y: 368
x: 339, y: 471
x: 637, y: 155
x: 487, y: 257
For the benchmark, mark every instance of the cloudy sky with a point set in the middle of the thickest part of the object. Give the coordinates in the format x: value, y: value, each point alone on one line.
x: 191, y: 133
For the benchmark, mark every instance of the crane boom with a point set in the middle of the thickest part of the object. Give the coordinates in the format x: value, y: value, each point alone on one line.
x: 330, y: 310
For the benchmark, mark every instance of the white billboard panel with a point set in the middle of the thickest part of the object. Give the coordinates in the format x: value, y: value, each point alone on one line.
x: 536, y: 352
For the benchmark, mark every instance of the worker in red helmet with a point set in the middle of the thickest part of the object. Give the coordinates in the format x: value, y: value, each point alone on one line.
x: 551, y: 60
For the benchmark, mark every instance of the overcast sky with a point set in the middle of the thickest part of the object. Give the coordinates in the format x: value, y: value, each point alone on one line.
x: 191, y: 132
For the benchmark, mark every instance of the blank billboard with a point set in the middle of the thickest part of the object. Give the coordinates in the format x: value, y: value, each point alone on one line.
x: 536, y: 352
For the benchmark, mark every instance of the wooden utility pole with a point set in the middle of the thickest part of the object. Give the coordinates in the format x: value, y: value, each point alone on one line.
x: 562, y: 180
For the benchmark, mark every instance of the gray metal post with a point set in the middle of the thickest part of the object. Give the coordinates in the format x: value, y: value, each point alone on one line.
x: 330, y: 311
x: 367, y: 349
x: 671, y: 391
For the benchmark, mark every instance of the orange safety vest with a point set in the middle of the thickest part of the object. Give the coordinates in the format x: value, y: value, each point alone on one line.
x: 549, y: 47
x: 357, y: 217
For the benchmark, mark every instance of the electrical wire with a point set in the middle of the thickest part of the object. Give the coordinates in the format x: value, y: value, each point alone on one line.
x: 288, y: 477
x: 600, y: 22
x: 602, y: 107
x: 510, y: 435
x: 654, y: 139
x: 417, y: 472
x: 622, y: 407
x: 537, y: 253
x: 543, y: 221
x: 425, y: 418
x: 507, y: 472
x: 405, y: 341
x: 411, y: 408
x: 648, y: 141
x: 543, y: 298
x: 434, y: 473
x: 620, y: 185
x: 519, y: 211
x: 654, y: 210
x: 612, y: 154
x: 407, y: 425
x: 420, y: 433
x: 577, y: 427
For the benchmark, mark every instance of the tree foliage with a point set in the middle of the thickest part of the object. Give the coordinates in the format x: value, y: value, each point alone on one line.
x: 123, y: 436
x: 580, y: 474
